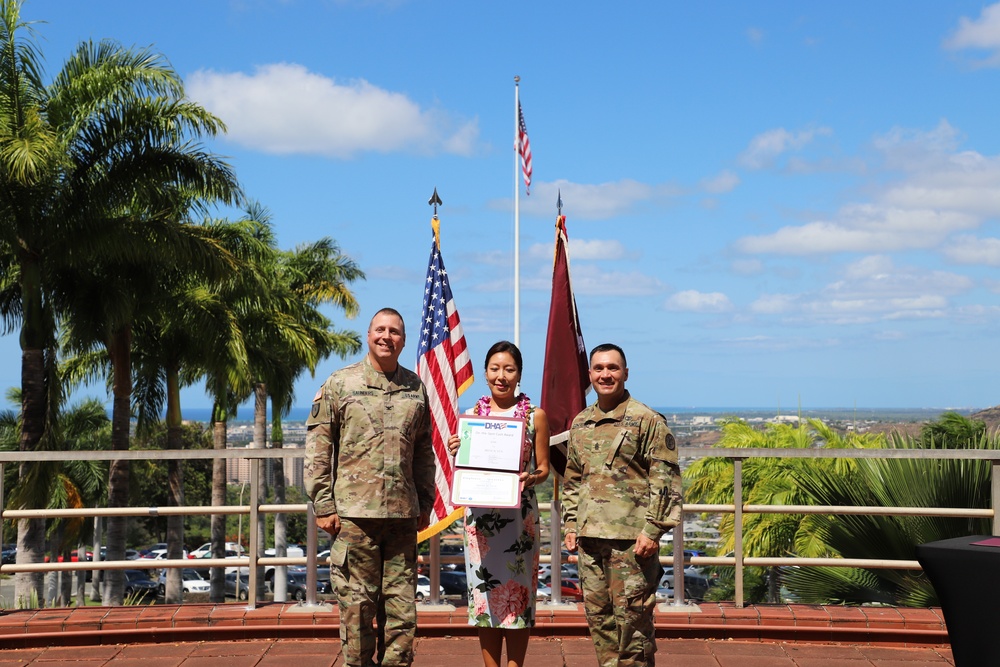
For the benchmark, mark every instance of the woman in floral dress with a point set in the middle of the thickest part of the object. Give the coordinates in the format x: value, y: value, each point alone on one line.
x: 501, y: 545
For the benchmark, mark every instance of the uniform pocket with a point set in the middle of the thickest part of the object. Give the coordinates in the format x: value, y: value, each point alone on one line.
x: 338, y: 553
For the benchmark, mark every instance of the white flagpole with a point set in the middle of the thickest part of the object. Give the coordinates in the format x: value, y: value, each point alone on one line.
x: 517, y: 218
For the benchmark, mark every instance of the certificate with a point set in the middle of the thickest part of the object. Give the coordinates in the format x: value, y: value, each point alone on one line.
x: 490, y: 443
x: 488, y: 462
x: 485, y: 488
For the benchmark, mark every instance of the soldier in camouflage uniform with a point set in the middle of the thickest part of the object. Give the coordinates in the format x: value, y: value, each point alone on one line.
x: 622, y: 492
x: 370, y: 473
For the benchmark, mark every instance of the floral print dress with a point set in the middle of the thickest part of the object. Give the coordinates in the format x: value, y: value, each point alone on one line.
x: 501, y: 550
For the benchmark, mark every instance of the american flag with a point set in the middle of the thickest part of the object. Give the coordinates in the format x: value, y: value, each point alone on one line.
x: 524, y: 148
x: 444, y: 366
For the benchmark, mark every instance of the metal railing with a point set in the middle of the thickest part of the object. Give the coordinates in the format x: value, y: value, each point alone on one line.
x: 738, y: 560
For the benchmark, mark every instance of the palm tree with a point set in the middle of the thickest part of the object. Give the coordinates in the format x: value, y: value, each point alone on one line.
x: 952, y: 431
x: 890, y: 483
x: 767, y: 482
x: 61, y: 484
x: 312, y: 275
x: 105, y: 146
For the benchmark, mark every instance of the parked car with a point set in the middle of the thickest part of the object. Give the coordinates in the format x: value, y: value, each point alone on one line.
x: 152, y: 547
x: 205, y: 550
x: 237, y: 585
x: 695, y: 584
x: 569, y: 588
x: 453, y: 550
x: 664, y: 594
x: 9, y: 554
x: 454, y: 582
x: 543, y: 593
x: 205, y: 572
x: 191, y: 582
x: 138, y: 584
x: 297, y: 585
x: 424, y: 588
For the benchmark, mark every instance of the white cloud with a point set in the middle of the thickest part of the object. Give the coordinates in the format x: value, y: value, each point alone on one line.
x: 699, y: 302
x: 747, y: 267
x: 873, y: 288
x: 774, y: 304
x: 582, y: 249
x: 725, y: 181
x: 942, y: 191
x: 968, y: 249
x: 982, y: 33
x: 917, y: 150
x: 284, y: 108
x: 588, y: 280
x: 590, y: 201
x: 755, y: 35
x: 862, y: 228
x: 766, y: 147
x: 785, y: 344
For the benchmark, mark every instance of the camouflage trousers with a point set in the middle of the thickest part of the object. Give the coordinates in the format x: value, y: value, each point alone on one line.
x: 373, y: 570
x: 619, y: 594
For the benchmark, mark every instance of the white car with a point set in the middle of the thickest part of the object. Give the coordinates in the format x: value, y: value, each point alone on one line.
x: 205, y: 550
x: 424, y: 588
x: 191, y: 582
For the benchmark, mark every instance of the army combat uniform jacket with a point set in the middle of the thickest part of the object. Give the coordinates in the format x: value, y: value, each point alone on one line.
x: 622, y: 476
x: 368, y: 445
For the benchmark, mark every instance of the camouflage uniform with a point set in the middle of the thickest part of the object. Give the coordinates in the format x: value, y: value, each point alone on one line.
x: 370, y: 460
x: 622, y: 479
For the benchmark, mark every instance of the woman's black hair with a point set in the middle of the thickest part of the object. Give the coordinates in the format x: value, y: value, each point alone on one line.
x: 504, y: 346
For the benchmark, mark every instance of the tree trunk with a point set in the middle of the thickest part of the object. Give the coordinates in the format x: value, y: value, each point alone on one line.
x: 774, y: 585
x: 259, y: 438
x: 28, y: 586
x: 280, y: 583
x: 97, y: 576
x: 120, y: 353
x: 217, y: 574
x: 175, y: 480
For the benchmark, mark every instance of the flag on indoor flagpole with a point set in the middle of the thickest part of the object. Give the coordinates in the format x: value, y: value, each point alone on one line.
x: 444, y: 366
x: 524, y: 149
x: 565, y: 378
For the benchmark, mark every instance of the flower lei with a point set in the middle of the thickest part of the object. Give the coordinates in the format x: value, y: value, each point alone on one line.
x: 520, y: 408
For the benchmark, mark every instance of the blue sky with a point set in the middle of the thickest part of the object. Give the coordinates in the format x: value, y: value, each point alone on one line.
x: 769, y: 204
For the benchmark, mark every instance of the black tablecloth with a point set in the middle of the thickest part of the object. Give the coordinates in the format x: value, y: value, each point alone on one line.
x: 967, y: 580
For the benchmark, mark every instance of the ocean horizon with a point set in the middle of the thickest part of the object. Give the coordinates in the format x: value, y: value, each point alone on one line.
x: 299, y: 414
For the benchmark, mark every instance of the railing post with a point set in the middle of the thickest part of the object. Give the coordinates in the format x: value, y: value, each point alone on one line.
x: 678, y: 563
x: 738, y: 529
x: 311, y: 549
x: 253, y: 529
x: 434, y: 568
x: 555, y: 556
x: 995, y: 484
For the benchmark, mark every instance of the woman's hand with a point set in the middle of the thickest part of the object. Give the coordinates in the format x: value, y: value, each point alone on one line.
x: 529, y: 479
x: 453, y: 443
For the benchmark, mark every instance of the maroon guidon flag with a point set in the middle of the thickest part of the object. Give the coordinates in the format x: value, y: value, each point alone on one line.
x: 444, y: 366
x: 564, y: 377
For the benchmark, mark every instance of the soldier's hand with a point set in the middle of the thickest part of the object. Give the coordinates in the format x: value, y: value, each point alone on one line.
x: 453, y: 444
x: 330, y: 523
x: 424, y: 521
x: 645, y: 547
x: 570, y: 541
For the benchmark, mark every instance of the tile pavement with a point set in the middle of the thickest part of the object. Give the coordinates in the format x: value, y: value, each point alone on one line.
x: 716, y: 635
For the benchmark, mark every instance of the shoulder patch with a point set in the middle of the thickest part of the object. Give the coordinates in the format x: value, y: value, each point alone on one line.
x: 315, y: 408
x: 671, y: 443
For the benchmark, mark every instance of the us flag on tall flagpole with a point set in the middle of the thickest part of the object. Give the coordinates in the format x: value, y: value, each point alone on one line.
x: 524, y: 149
x: 444, y: 366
